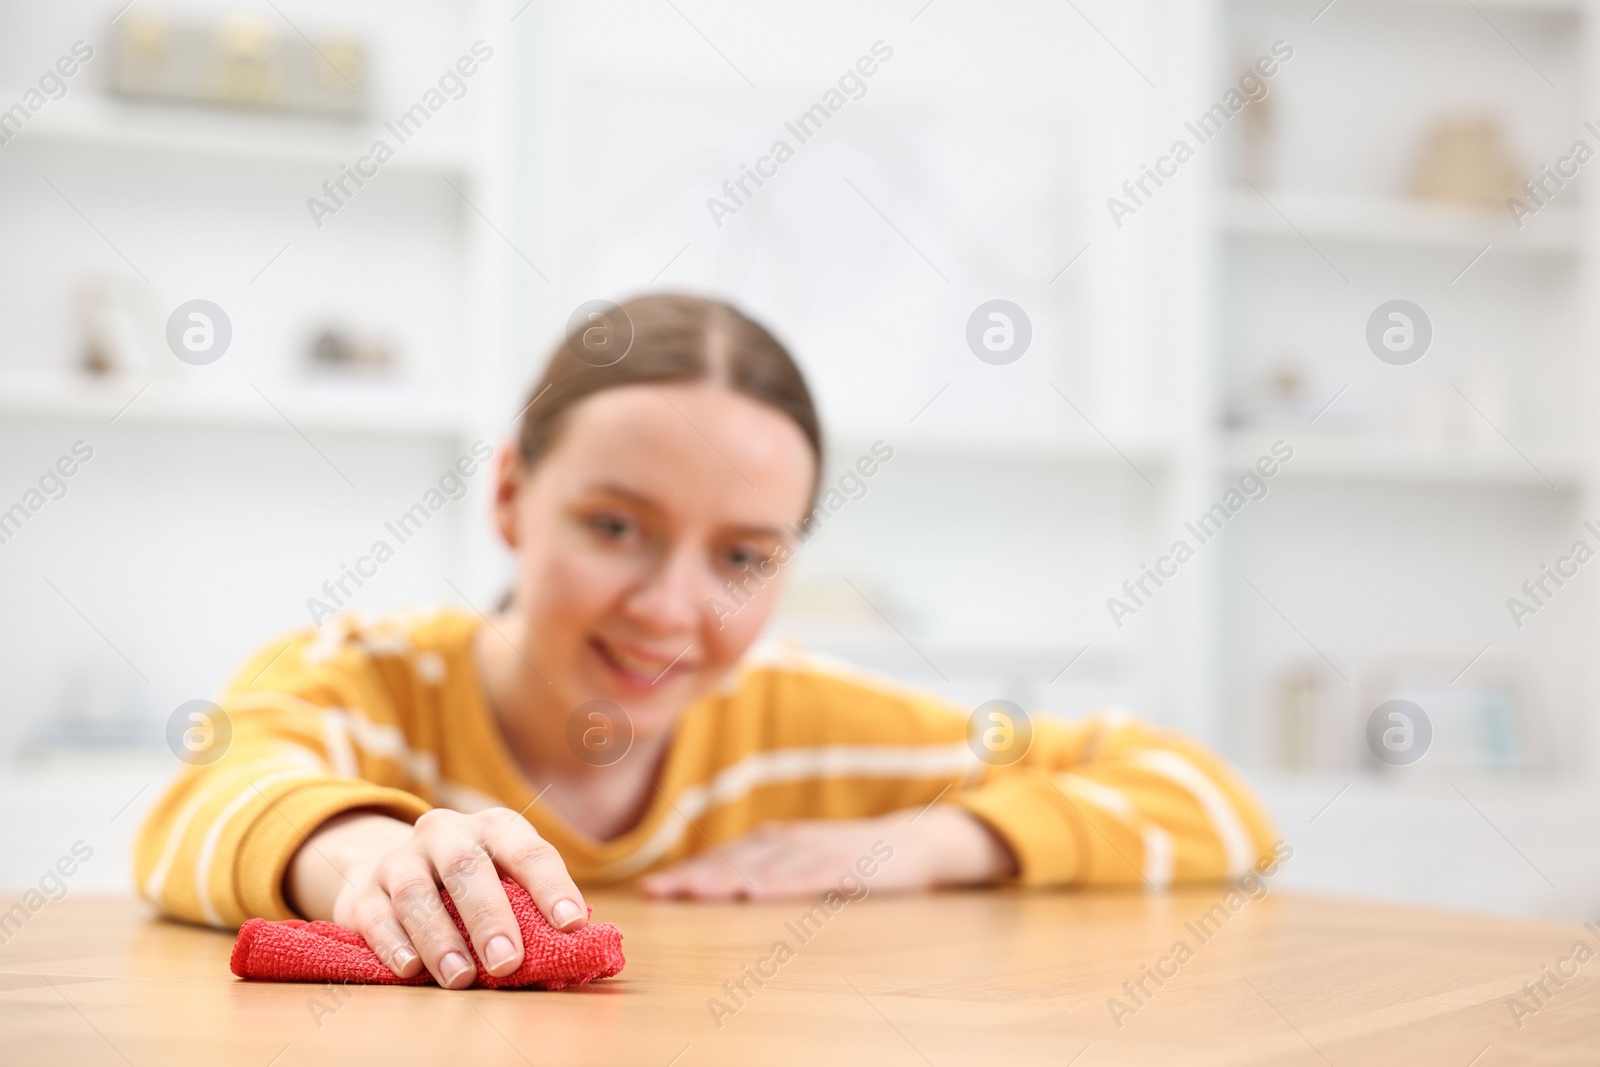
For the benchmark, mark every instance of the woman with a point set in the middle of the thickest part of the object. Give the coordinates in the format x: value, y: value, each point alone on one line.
x: 614, y: 722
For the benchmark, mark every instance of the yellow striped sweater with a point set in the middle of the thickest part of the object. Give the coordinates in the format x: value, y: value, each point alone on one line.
x: 389, y: 715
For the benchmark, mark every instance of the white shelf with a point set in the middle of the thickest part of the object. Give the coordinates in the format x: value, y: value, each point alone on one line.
x: 1437, y: 841
x: 1569, y: 8
x: 1081, y: 452
x: 101, y: 123
x: 1094, y: 658
x: 1395, y: 223
x: 1364, y: 458
x: 338, y: 407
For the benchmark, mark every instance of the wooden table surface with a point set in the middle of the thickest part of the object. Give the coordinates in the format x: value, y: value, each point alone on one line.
x: 958, y: 978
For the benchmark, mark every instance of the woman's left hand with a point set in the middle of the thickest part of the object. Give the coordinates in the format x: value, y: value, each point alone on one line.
x: 911, y: 849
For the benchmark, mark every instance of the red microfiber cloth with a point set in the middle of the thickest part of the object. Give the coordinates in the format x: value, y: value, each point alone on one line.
x: 298, y: 951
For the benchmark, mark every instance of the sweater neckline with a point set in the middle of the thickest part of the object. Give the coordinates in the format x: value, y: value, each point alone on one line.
x: 510, y: 783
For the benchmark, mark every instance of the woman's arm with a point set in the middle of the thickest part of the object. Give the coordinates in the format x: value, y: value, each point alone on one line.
x: 292, y: 817
x: 215, y: 846
x: 1110, y: 800
x: 1105, y: 800
x: 909, y: 849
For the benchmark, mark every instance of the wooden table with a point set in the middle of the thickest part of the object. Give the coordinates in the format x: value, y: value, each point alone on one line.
x: 959, y: 978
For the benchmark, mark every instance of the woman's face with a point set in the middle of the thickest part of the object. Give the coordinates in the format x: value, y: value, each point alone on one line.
x: 652, y: 499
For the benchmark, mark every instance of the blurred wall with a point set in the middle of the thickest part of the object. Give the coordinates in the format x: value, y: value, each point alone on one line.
x: 596, y: 151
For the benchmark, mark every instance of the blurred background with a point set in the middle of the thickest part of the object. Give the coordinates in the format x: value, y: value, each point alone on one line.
x: 385, y: 309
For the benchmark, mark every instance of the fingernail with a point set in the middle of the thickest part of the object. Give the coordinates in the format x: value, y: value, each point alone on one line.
x: 498, y: 952
x: 453, y: 966
x: 403, y: 957
x: 566, y: 913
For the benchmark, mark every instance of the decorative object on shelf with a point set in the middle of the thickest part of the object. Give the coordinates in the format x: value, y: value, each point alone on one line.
x: 1484, y: 719
x: 1480, y: 719
x: 1282, y: 393
x: 1465, y: 160
x: 337, y: 349
x: 1317, y: 728
x: 1287, y: 382
x: 1258, y: 144
x: 96, y: 710
x: 238, y: 62
x: 120, y: 334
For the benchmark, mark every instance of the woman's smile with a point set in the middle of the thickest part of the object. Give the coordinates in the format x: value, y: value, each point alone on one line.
x: 639, y: 669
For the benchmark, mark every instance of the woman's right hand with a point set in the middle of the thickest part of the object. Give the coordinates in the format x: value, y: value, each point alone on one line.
x: 381, y: 877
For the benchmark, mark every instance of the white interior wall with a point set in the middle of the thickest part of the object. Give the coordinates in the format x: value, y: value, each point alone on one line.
x: 990, y: 141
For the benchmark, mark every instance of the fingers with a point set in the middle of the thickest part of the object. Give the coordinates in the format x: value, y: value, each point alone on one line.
x: 395, y: 903
x: 708, y: 876
x: 534, y: 863
x: 469, y: 876
x: 407, y: 878
x: 767, y: 849
x: 794, y: 859
x: 715, y: 874
x: 376, y: 921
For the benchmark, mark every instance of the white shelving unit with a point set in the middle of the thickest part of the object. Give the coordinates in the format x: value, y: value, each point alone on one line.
x: 1374, y: 518
x: 250, y: 175
x: 338, y: 406
x: 1062, y: 454
x: 222, y: 472
x: 1396, y: 223
x: 104, y: 126
x: 1377, y: 460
